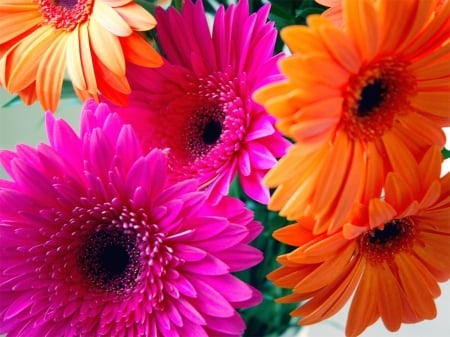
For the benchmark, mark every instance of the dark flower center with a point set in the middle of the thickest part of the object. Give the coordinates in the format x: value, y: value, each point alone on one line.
x: 66, y: 3
x: 203, y: 131
x: 65, y: 14
x: 381, y: 244
x: 372, y: 97
x: 391, y: 232
x: 110, y: 259
x: 212, y: 132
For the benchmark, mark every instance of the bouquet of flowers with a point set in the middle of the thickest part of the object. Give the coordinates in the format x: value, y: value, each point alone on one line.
x: 241, y: 167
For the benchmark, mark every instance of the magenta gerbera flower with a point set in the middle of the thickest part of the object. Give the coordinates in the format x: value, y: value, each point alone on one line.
x: 94, y: 242
x: 199, y: 103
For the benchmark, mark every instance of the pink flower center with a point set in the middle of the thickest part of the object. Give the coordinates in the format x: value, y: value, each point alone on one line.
x: 373, y: 98
x: 381, y: 244
x: 65, y: 14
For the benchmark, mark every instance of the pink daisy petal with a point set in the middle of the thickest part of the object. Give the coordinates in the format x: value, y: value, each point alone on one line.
x: 111, y: 247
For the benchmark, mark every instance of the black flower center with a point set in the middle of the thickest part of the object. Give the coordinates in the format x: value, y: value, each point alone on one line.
x: 203, y: 131
x: 212, y: 132
x: 372, y: 96
x: 110, y: 259
x: 381, y: 244
x: 114, y: 259
x: 391, y: 232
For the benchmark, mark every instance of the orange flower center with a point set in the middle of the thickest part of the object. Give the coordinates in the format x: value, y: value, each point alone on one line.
x: 373, y: 98
x: 204, y: 130
x: 381, y: 244
x: 65, y: 14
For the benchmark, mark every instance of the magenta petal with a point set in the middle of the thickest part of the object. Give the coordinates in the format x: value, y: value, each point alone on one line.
x: 148, y: 166
x: 184, y: 286
x: 252, y: 185
x: 209, y: 265
x: 232, y: 288
x: 261, y: 157
x: 189, y: 253
x: 21, y: 303
x: 241, y: 258
x: 128, y: 147
x: 211, y: 301
x: 190, y: 312
x: 231, y: 326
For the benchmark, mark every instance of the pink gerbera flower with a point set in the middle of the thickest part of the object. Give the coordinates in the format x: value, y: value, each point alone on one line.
x: 95, y: 243
x: 199, y: 103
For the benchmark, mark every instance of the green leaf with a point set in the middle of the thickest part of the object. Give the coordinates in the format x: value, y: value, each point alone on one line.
x: 445, y: 153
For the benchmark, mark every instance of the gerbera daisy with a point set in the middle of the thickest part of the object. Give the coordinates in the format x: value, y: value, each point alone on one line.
x: 390, y: 255
x: 96, y: 243
x: 40, y: 39
x: 382, y: 82
x: 199, y: 103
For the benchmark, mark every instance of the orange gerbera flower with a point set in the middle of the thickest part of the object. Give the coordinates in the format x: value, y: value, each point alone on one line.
x: 353, y: 98
x: 390, y: 255
x: 91, y: 38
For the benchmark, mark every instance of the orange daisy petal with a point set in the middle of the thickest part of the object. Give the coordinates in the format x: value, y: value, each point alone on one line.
x: 28, y: 95
x: 329, y: 270
x: 19, y: 19
x: 394, y: 14
x: 50, y: 73
x: 347, y: 55
x: 435, y: 254
x: 398, y: 192
x: 106, y: 47
x: 401, y: 159
x: 363, y: 27
x: 323, y: 66
x: 74, y: 64
x: 419, y: 285
x: 23, y: 60
x: 87, y: 64
x: 116, y: 3
x: 434, y: 65
x: 110, y: 19
x: 114, y: 88
x: 139, y: 51
x: 318, y: 121
x: 390, y: 298
x: 423, y: 10
x: 295, y: 234
x: 286, y: 277
x: 301, y: 39
x: 363, y: 310
x: 375, y: 172
x: 332, y: 299
x: 435, y: 102
x: 380, y: 213
x: 136, y: 17
x: 436, y: 33
x: 430, y: 165
x: 351, y: 190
